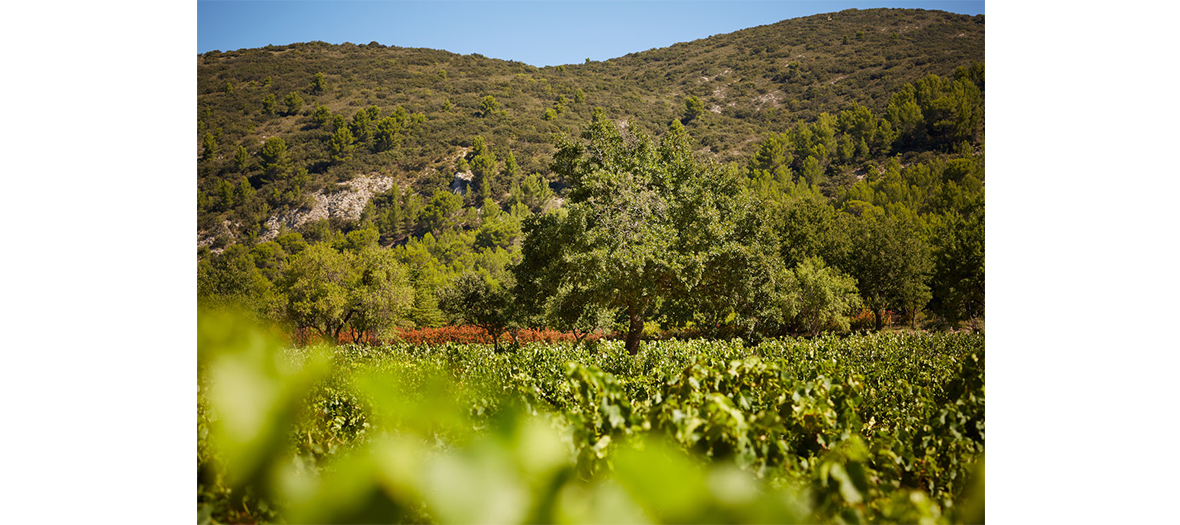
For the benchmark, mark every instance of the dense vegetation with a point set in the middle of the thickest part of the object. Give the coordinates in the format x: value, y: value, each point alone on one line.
x: 291, y: 120
x: 884, y: 428
x: 651, y: 231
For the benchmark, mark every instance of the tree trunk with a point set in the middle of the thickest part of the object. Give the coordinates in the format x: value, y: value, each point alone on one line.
x: 877, y: 321
x: 635, y: 331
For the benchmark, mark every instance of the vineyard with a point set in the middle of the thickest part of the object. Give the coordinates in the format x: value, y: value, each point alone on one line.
x: 883, y: 428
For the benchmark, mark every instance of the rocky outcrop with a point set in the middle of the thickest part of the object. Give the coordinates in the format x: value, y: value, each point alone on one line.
x: 462, y: 182
x: 346, y: 203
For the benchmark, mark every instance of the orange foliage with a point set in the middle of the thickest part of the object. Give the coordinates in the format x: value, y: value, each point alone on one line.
x: 472, y: 334
x: 445, y: 334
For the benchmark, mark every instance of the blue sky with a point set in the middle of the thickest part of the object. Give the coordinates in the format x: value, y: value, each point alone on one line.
x: 533, y: 32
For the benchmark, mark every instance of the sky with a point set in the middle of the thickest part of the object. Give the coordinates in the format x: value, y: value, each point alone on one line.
x: 534, y: 32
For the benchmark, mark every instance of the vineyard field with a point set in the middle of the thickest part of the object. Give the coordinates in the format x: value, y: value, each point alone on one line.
x: 880, y: 428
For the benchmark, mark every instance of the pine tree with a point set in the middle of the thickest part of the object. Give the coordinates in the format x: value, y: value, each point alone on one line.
x: 275, y: 158
x: 294, y: 103
x: 241, y: 158
x: 209, y: 147
x: 340, y: 145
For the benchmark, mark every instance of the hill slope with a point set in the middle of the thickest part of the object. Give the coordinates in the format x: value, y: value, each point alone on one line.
x: 750, y: 84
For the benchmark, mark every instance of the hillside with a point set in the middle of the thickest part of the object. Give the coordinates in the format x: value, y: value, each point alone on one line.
x: 751, y: 84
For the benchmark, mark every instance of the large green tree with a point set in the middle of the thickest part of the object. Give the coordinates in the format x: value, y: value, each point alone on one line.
x: 479, y: 300
x: 328, y: 290
x: 381, y: 294
x: 316, y: 283
x: 648, y: 229
x: 442, y: 211
x: 891, y: 264
x: 322, y: 115
x: 823, y: 295
x: 957, y: 282
x: 231, y: 279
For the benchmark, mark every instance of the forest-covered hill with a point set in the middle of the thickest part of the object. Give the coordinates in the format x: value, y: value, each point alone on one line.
x: 749, y: 84
x: 845, y: 149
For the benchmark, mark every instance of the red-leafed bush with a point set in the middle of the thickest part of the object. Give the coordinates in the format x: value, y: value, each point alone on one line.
x: 472, y: 334
x: 435, y: 336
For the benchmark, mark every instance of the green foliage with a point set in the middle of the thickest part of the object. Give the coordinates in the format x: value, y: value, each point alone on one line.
x: 208, y: 147
x: 511, y: 174
x: 483, y: 167
x: 275, y: 159
x: 693, y: 108
x: 646, y: 225
x: 808, y: 227
x: 294, y: 103
x: 481, y: 301
x: 533, y: 192
x: 824, y: 296
x: 361, y: 287
x: 891, y: 264
x: 362, y: 125
x: 232, y: 279
x: 817, y: 128
x: 382, y: 294
x: 319, y: 84
x: 442, y: 211
x: 241, y: 159
x: 341, y: 144
x: 488, y: 106
x: 939, y: 112
x: 812, y: 173
x: 425, y: 311
x: 291, y: 243
x: 773, y: 159
x: 957, y: 281
x: 502, y: 232
x: 268, y: 104
x: 391, y: 130
x: 322, y: 115
x: 876, y: 429
x: 316, y: 283
x: 764, y: 87
x: 357, y: 240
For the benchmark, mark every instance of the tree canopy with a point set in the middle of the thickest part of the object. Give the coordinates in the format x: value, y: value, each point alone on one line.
x: 648, y: 230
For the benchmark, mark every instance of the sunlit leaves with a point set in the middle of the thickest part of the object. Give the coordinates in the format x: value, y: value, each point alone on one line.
x: 683, y: 432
